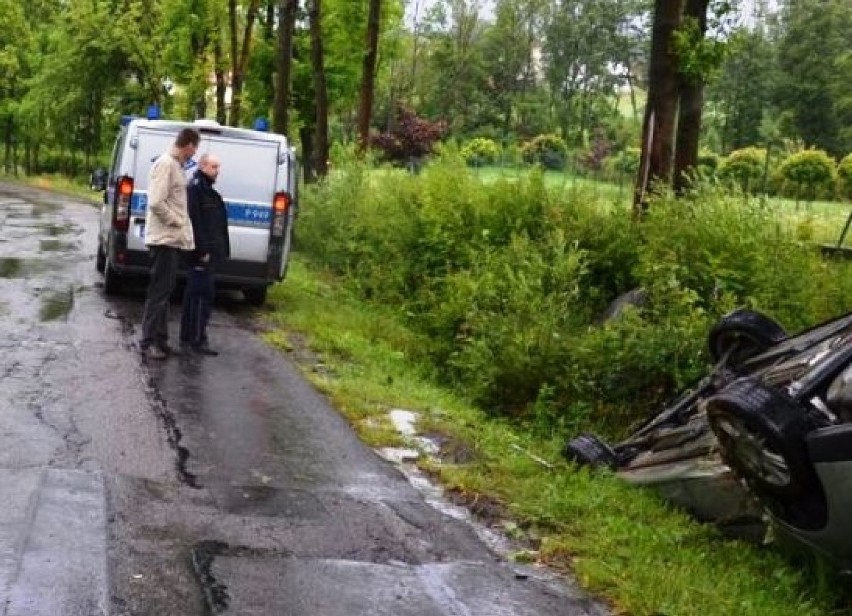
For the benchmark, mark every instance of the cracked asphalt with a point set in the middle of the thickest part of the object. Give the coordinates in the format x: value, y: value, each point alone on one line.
x: 200, y: 485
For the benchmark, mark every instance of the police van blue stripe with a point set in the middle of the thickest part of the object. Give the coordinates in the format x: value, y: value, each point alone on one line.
x: 240, y: 214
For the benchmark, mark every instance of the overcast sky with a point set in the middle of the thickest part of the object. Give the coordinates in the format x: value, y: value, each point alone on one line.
x: 422, y: 6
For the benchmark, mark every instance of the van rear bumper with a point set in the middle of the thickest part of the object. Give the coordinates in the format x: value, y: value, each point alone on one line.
x: 232, y: 274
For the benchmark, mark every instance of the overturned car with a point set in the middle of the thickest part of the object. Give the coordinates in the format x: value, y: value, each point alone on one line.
x: 767, y: 430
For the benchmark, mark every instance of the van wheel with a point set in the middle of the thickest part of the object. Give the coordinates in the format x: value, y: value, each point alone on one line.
x: 256, y: 296
x: 112, y: 281
x: 100, y: 259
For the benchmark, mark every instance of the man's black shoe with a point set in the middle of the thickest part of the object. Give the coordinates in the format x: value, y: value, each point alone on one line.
x: 204, y: 349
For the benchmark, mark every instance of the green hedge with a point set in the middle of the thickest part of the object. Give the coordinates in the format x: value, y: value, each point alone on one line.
x: 509, y: 279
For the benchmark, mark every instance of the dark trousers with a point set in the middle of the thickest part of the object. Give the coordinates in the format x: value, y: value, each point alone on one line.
x: 155, y: 319
x: 197, y: 305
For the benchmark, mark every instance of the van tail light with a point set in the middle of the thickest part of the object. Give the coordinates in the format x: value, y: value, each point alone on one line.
x: 123, y: 194
x: 280, y: 207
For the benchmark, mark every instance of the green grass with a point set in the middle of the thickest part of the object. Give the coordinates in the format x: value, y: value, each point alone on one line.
x: 613, y: 193
x: 622, y: 543
x: 57, y: 183
x: 817, y: 221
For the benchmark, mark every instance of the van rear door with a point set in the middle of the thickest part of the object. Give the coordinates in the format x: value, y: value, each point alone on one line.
x: 247, y: 181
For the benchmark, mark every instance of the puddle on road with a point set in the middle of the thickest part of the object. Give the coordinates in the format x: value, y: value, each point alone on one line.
x: 53, y: 229
x: 14, y: 267
x: 11, y: 267
x: 54, y: 245
x: 56, y: 305
x: 40, y: 208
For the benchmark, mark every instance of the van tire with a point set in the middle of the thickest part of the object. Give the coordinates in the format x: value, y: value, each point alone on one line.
x: 100, y: 259
x: 255, y: 296
x: 112, y: 281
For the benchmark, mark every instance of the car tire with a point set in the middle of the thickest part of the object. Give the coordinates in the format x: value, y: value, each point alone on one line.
x: 742, y: 334
x: 255, y: 296
x: 100, y: 259
x: 589, y: 450
x: 112, y: 281
x: 761, y: 433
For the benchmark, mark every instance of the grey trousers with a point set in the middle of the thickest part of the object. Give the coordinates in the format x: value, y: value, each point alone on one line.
x: 155, y: 319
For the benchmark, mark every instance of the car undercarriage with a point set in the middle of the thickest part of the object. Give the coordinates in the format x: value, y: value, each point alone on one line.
x: 765, y: 435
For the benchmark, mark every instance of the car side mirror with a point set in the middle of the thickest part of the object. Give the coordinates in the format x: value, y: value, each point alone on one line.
x: 98, y: 179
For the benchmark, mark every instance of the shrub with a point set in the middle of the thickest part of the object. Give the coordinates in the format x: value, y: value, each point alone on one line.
x: 593, y: 158
x: 549, y: 151
x: 744, y: 168
x: 844, y: 177
x: 506, y: 280
x: 622, y: 164
x: 708, y: 164
x: 810, y: 170
x: 410, y: 139
x: 480, y: 151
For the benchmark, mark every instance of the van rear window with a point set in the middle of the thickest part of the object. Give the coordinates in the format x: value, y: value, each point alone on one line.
x: 249, y: 167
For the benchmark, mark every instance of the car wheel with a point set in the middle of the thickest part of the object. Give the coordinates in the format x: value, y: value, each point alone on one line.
x: 100, y: 259
x: 588, y: 450
x: 761, y: 434
x: 742, y: 334
x: 112, y: 281
x: 256, y: 296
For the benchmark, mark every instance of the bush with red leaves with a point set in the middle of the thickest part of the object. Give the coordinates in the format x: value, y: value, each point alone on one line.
x: 411, y: 137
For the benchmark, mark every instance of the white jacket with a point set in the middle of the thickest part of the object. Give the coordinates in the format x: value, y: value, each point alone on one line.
x: 166, y: 219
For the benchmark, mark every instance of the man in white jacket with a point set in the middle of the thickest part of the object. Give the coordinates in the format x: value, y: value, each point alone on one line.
x: 168, y: 232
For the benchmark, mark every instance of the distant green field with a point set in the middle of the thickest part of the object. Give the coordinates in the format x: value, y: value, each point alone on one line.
x: 817, y: 221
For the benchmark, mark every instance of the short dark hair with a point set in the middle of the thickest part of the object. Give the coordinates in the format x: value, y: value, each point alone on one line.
x: 186, y: 137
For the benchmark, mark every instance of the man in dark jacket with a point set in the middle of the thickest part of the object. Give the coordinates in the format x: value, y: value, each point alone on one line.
x: 210, y: 226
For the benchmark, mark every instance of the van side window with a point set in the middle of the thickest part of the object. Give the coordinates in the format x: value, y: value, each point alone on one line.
x: 116, y: 158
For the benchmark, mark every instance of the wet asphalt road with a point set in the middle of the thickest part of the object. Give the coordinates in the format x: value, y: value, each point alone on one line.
x: 201, y: 485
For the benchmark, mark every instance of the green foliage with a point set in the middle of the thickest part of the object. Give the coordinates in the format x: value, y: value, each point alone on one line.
x: 744, y: 167
x: 623, y: 164
x: 480, y: 151
x: 506, y: 280
x: 549, y: 151
x: 844, y: 177
x: 811, y: 170
x: 815, y: 87
x: 698, y: 56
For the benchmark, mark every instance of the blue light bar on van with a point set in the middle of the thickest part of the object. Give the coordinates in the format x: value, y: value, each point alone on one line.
x: 261, y: 124
x: 153, y: 112
x: 125, y: 120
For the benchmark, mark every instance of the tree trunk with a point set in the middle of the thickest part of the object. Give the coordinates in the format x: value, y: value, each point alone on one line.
x: 286, y: 28
x: 221, y: 88
x: 691, y: 106
x: 368, y: 75
x: 661, y: 109
x: 415, y: 32
x: 318, y: 65
x: 239, y: 61
x: 630, y: 83
x: 306, y: 135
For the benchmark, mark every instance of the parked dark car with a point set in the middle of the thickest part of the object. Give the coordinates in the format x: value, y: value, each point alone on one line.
x: 766, y: 433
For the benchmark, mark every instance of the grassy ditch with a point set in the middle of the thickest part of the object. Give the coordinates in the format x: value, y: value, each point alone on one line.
x: 622, y: 543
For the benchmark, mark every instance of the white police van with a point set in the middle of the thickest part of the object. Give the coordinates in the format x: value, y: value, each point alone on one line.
x: 257, y: 181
